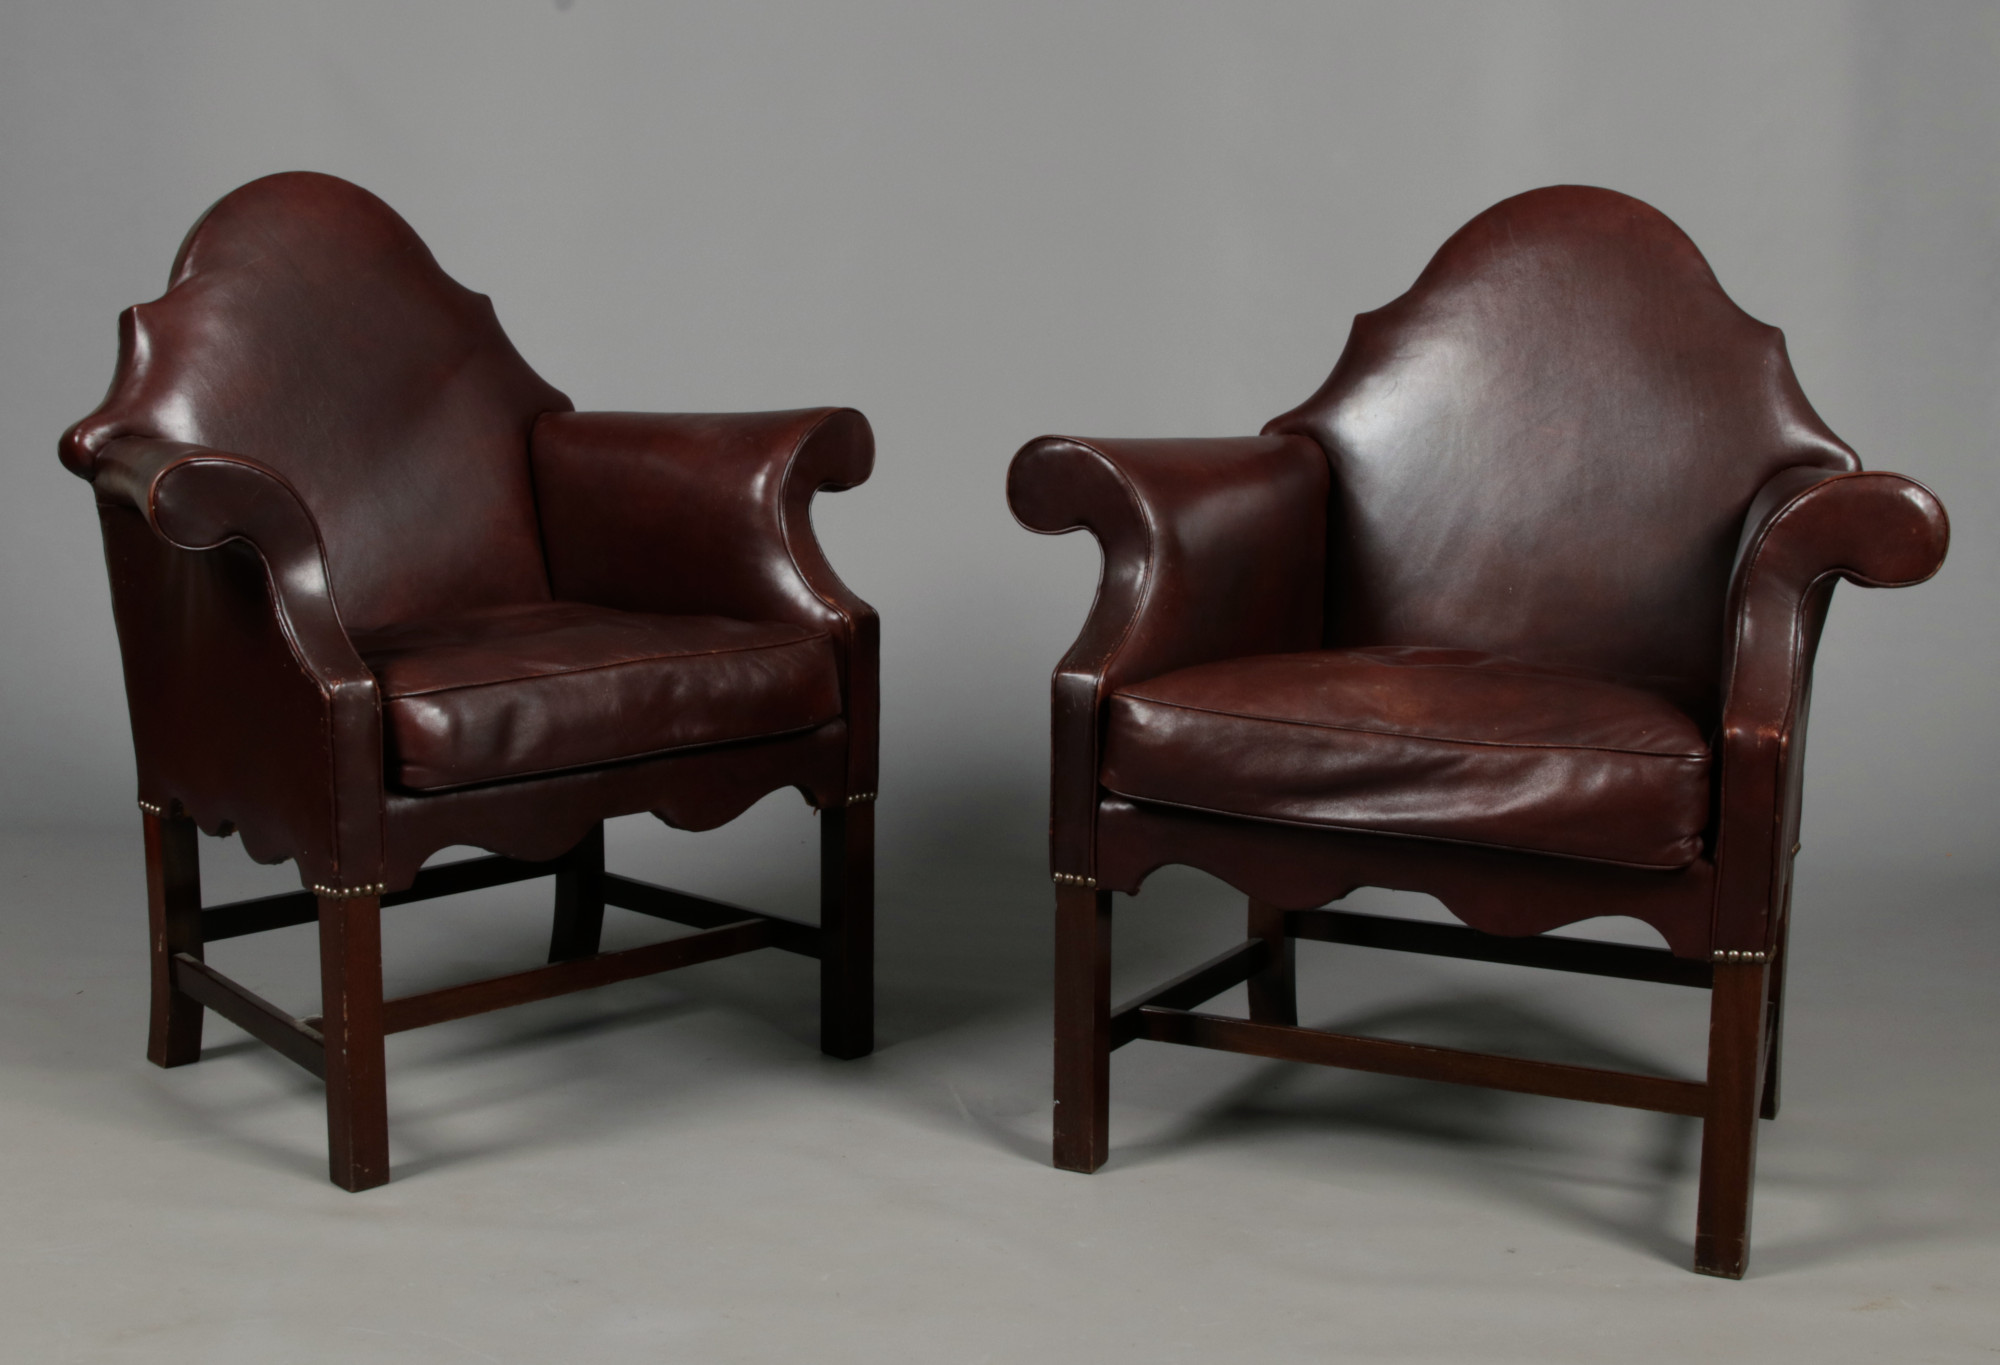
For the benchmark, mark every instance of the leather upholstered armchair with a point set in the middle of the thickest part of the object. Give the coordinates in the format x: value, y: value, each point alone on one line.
x: 1519, y: 611
x: 380, y: 591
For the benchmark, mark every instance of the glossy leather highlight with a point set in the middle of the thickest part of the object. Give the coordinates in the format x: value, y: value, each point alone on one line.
x: 1434, y: 743
x: 317, y: 439
x: 522, y: 691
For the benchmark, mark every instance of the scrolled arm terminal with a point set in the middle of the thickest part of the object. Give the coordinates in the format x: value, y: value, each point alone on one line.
x: 1213, y: 549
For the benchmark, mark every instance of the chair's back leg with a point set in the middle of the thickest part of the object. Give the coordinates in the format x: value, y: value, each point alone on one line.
x: 579, y: 922
x: 1274, y: 995
x: 1775, y: 1026
x: 1738, y: 1013
x: 173, y: 913
x: 357, y: 1107
x: 847, y: 930
x: 1083, y: 1028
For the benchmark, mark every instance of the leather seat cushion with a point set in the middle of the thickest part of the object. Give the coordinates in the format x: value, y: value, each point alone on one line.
x: 1435, y: 743
x: 542, y: 687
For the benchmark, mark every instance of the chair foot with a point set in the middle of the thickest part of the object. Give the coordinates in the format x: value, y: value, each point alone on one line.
x: 1083, y: 1028
x: 357, y: 1112
x: 579, y: 923
x: 173, y: 913
x: 1274, y: 996
x: 847, y: 931
x: 1736, y: 1055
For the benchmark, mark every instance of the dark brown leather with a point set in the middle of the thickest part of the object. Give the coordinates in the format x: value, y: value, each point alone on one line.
x: 307, y: 327
x: 539, y: 688
x: 1565, y: 446
x: 1212, y: 550
x: 708, y: 513
x: 1438, y: 743
x: 1546, y: 448
x: 316, y: 436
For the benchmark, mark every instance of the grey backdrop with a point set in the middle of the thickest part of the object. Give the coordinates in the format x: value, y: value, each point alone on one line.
x: 979, y: 224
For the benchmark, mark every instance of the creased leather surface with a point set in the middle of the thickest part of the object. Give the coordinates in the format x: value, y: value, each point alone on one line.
x: 1212, y: 549
x: 308, y: 328
x: 1564, y: 445
x: 1545, y: 449
x: 317, y: 435
x: 1446, y: 744
x: 520, y: 691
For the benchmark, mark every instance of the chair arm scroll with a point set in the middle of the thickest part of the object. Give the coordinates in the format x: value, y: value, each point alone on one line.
x: 1806, y: 529
x: 1213, y: 549
x: 708, y: 514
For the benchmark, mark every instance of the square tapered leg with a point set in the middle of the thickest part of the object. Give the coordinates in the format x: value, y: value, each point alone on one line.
x: 1083, y: 1028
x: 1738, y: 1013
x: 173, y: 913
x: 847, y: 931
x: 579, y: 921
x: 357, y: 1108
x: 1274, y: 997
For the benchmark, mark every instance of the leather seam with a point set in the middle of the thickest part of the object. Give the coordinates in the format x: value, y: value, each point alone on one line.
x: 1424, y: 739
x: 597, y: 668
x: 1403, y: 834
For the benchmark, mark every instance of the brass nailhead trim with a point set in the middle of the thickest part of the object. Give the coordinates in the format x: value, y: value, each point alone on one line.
x: 1738, y: 955
x: 334, y: 893
x: 151, y: 809
x: 1069, y: 879
x: 860, y: 798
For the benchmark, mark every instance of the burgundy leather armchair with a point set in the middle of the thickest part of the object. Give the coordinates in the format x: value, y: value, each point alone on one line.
x: 1519, y: 611
x: 380, y: 591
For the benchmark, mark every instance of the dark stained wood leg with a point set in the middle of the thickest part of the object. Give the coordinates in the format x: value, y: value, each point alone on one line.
x: 1083, y: 1028
x: 1774, y: 1047
x: 579, y: 923
x: 1736, y: 1052
x: 357, y: 1109
x: 173, y: 912
x: 847, y: 931
x: 1274, y: 995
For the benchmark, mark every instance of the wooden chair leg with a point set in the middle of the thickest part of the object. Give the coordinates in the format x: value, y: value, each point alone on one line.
x: 1736, y: 1051
x: 1083, y: 1028
x: 357, y: 1108
x: 579, y: 922
x: 173, y: 912
x: 1274, y: 995
x: 847, y: 931
x: 1775, y: 1026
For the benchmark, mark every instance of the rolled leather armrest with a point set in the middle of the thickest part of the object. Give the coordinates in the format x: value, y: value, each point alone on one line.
x: 250, y: 706
x: 1806, y: 529
x: 1213, y: 549
x: 198, y: 499
x: 708, y: 514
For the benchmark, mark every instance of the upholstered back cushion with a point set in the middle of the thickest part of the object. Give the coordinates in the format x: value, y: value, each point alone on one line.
x: 1545, y: 449
x: 308, y: 327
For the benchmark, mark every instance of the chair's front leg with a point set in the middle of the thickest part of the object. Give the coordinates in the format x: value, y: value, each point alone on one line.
x: 1083, y: 1028
x: 847, y: 930
x: 173, y: 913
x: 357, y: 1103
x: 579, y: 922
x: 1274, y: 997
x: 1738, y: 1013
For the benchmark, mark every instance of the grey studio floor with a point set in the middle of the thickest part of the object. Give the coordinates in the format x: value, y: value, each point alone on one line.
x: 667, y: 1170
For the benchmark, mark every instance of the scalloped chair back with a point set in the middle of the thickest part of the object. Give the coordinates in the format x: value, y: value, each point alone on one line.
x: 1545, y: 449
x: 308, y: 327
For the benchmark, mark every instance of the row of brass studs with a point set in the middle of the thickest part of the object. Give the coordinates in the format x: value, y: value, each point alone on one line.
x: 334, y: 893
x: 860, y: 798
x: 151, y: 809
x: 1069, y: 879
x: 1738, y: 955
